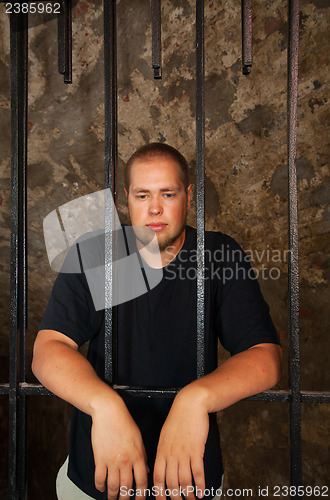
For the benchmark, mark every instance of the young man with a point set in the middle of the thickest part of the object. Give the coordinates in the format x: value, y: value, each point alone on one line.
x: 115, y: 442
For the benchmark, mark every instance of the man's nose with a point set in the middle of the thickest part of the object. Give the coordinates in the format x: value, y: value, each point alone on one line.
x: 155, y: 206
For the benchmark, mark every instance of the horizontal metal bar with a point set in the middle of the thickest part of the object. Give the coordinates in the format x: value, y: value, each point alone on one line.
x: 33, y: 390
x: 40, y: 390
x: 145, y: 392
x: 270, y: 396
x: 315, y: 397
x: 4, y: 389
x: 274, y: 395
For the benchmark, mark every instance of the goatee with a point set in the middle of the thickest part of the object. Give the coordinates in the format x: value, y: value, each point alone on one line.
x: 147, y: 238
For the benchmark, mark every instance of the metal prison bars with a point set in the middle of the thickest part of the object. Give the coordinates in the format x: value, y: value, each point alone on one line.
x: 18, y: 389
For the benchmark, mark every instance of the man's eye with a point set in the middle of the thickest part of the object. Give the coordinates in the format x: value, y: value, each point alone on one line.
x: 168, y: 195
x: 142, y: 196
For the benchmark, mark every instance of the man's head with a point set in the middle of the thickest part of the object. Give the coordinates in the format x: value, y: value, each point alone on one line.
x: 158, y: 194
x: 158, y: 150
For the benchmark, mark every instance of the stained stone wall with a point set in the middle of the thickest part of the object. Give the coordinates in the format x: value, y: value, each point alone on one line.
x: 246, y: 190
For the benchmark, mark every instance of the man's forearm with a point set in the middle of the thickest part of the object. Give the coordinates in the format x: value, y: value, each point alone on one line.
x: 118, y: 449
x: 69, y: 375
x: 184, y: 434
x: 243, y: 375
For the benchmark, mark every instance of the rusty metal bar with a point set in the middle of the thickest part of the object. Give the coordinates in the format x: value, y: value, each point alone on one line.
x: 18, y: 270
x: 271, y: 395
x: 294, y: 347
x: 200, y: 188
x: 64, y: 37
x: 68, y: 42
x: 61, y: 39
x: 111, y: 161
x: 156, y: 38
x: 246, y: 9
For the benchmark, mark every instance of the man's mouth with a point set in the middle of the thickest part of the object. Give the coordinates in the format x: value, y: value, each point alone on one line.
x: 156, y: 226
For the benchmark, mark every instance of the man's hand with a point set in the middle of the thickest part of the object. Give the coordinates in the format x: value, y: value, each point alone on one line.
x: 119, y: 452
x: 181, y: 447
x: 184, y: 434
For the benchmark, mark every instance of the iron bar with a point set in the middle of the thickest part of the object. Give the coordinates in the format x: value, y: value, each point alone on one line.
x: 294, y: 347
x: 68, y: 42
x: 34, y: 390
x: 271, y: 395
x: 61, y: 43
x: 200, y: 188
x: 111, y: 159
x: 21, y: 452
x: 246, y: 10
x: 18, y: 276
x: 315, y: 397
x: 64, y: 38
x: 156, y: 38
x: 22, y: 268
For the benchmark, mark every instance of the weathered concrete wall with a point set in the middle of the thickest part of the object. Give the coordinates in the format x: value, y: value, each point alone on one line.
x: 246, y: 187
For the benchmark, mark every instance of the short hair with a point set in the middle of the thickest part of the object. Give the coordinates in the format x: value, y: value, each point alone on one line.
x: 158, y: 150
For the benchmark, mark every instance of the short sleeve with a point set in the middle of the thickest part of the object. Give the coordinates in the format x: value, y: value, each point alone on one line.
x: 243, y: 316
x: 70, y: 309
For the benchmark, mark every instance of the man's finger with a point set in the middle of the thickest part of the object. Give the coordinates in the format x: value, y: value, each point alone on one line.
x: 113, y: 483
x: 126, y: 481
x: 100, y: 476
x: 172, y: 479
x: 185, y: 480
x: 197, y: 468
x: 141, y: 479
x: 159, y: 478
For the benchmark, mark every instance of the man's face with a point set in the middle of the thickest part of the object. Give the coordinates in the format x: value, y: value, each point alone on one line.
x: 158, y: 202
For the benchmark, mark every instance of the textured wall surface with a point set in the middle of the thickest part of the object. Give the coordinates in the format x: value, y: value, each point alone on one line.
x: 246, y: 189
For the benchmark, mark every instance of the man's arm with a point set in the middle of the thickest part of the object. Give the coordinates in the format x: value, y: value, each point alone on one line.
x: 117, y: 443
x: 184, y: 434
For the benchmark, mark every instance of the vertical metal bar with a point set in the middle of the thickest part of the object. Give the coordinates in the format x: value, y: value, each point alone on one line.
x: 156, y: 38
x: 68, y: 42
x: 18, y: 279
x: 246, y: 8
x: 61, y: 38
x: 200, y: 198
x: 111, y: 155
x: 21, y: 449
x: 64, y: 37
x: 294, y: 371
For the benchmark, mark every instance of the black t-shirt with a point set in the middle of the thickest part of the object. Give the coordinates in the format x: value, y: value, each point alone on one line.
x: 157, y: 340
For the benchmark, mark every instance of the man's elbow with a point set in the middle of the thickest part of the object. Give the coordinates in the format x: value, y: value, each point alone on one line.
x: 36, y: 365
x: 41, y: 356
x: 276, y: 364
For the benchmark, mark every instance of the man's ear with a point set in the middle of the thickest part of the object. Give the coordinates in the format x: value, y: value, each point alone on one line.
x: 126, y: 192
x: 189, y: 189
